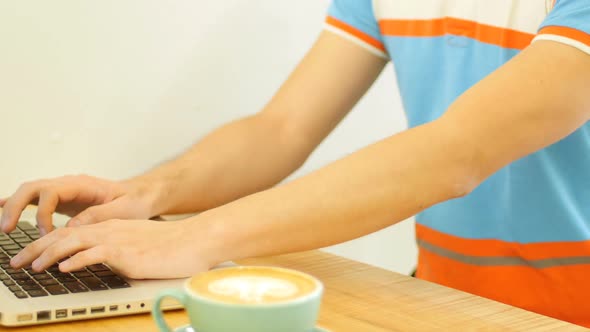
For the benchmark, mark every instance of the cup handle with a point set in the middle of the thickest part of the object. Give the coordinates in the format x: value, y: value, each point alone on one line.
x: 157, y: 312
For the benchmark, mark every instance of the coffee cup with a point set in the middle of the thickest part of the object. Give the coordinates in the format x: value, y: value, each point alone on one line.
x: 247, y: 299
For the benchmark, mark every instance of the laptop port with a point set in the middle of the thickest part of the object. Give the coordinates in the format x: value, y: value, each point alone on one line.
x: 97, y: 310
x: 78, y: 312
x: 62, y: 313
x: 24, y: 317
x: 114, y: 308
x: 43, y: 315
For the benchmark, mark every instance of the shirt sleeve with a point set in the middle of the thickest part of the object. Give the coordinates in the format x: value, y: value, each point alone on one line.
x: 568, y: 23
x: 355, y: 21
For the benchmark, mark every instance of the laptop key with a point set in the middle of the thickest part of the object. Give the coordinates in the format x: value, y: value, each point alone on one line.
x: 3, y: 236
x: 48, y: 282
x: 82, y: 274
x: 115, y: 282
x: 75, y: 287
x: 8, y: 282
x: 4, y: 276
x: 10, y: 246
x: 98, y: 267
x: 53, y: 268
x: 5, y: 242
x: 31, y: 287
x: 23, y: 282
x: 12, y: 252
x: 12, y: 271
x: 25, y: 225
x: 21, y: 295
x: 37, y: 293
x: 105, y: 274
x: 42, y: 276
x: 63, y: 277
x: 93, y: 283
x: 20, y: 276
x: 14, y: 288
x: 56, y: 290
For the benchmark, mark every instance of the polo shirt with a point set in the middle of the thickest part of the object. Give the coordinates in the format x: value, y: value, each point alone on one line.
x: 522, y: 237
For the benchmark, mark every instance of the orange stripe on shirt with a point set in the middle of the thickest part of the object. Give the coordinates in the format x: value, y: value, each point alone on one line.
x: 560, y: 292
x: 355, y: 32
x: 567, y: 33
x: 499, y: 248
x: 484, y: 33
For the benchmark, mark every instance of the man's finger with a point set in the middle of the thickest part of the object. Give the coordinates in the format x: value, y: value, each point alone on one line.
x: 35, y: 249
x: 15, y: 205
x: 61, y: 248
x: 94, y: 255
x: 2, y: 202
x: 117, y: 209
x: 48, y: 201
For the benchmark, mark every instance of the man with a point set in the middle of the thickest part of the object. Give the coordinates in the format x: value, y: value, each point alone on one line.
x: 495, y: 162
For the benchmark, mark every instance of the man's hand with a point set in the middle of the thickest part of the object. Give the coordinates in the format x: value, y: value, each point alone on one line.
x: 134, y: 248
x: 86, y: 199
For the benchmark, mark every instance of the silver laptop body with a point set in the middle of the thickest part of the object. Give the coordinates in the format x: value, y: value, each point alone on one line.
x: 77, y: 297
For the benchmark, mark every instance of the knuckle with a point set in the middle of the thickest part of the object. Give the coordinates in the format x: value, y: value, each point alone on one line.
x: 87, y: 216
x: 33, y: 247
x: 47, y: 188
x: 102, y: 253
x: 83, y: 177
x: 50, y: 252
x: 63, y: 232
x: 25, y: 186
x: 66, y: 179
x: 80, y: 239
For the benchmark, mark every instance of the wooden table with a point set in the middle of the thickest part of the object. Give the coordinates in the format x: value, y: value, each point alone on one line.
x: 361, y: 298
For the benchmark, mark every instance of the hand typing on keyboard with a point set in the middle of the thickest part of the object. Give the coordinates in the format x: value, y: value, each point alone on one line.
x: 86, y: 199
x: 25, y: 283
x: 134, y: 248
x: 137, y: 248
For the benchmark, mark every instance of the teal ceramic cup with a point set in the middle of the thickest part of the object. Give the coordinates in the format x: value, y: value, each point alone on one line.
x: 207, y: 313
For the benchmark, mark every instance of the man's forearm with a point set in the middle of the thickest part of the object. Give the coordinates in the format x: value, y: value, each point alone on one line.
x: 237, y: 159
x: 538, y: 98
x: 257, y: 152
x: 362, y: 193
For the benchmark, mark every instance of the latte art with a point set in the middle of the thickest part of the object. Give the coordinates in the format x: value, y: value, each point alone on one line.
x: 251, y: 285
x: 253, y: 288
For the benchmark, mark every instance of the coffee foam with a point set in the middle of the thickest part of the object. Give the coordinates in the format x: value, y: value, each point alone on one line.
x: 253, y: 288
x: 252, y: 285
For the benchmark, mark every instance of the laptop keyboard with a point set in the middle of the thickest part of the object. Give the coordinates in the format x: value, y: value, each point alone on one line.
x: 26, y: 283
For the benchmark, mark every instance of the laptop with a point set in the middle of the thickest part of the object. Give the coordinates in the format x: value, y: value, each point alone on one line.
x: 30, y: 298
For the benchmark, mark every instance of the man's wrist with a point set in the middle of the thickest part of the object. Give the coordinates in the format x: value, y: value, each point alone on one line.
x: 151, y: 190
x: 216, y: 243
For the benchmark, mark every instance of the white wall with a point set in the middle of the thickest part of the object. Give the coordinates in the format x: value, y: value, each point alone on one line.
x: 113, y: 87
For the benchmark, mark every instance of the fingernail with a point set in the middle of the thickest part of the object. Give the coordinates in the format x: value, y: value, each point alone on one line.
x: 15, y: 261
x: 2, y: 222
x: 63, y: 266
x: 74, y: 222
x: 36, y: 265
x: 42, y: 231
